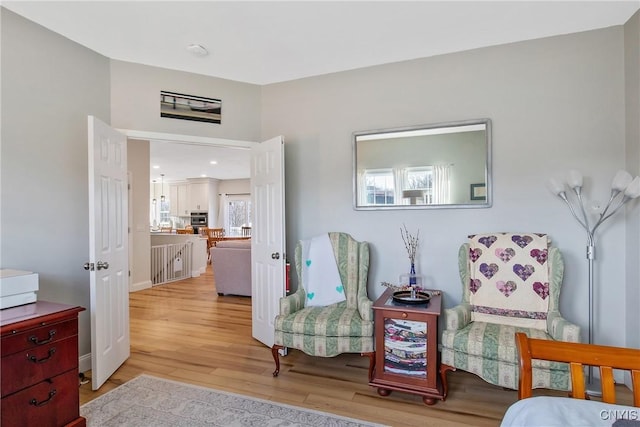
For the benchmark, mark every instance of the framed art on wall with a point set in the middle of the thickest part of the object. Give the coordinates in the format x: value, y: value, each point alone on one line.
x: 189, y: 107
x: 478, y: 191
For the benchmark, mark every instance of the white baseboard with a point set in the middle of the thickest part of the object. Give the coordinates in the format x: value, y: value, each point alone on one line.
x: 84, y: 363
x: 134, y: 287
x: 195, y: 273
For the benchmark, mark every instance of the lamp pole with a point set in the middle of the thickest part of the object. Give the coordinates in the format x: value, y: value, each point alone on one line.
x: 623, y: 189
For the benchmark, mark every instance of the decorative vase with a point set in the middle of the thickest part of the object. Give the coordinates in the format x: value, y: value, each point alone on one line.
x: 411, y: 279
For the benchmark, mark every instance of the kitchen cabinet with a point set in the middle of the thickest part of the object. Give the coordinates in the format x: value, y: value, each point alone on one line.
x: 179, y: 199
x: 199, y: 195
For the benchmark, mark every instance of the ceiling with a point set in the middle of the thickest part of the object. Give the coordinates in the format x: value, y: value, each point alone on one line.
x: 265, y: 42
x: 179, y: 161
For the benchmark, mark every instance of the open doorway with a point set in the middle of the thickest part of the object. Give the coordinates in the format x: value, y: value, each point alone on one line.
x: 181, y: 158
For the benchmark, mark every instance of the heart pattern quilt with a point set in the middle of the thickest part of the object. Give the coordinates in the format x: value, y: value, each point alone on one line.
x: 508, y: 273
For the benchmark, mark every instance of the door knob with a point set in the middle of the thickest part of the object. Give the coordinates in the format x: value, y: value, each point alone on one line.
x: 102, y: 265
x: 275, y: 255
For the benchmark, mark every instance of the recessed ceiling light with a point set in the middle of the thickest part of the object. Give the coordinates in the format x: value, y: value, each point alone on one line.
x: 156, y: 167
x: 197, y: 50
x: 213, y: 162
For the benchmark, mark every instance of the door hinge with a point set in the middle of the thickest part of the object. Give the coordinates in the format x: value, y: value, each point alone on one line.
x: 129, y: 273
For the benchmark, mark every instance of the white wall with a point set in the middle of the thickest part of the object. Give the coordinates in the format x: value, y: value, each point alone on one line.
x: 235, y: 186
x: 555, y: 104
x: 632, y: 91
x: 135, y: 102
x: 49, y: 86
x: 140, y: 248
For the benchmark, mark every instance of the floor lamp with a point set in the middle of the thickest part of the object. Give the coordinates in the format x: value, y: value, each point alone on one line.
x: 623, y: 189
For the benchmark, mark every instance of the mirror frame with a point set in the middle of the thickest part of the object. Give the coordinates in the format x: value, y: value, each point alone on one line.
x: 487, y: 203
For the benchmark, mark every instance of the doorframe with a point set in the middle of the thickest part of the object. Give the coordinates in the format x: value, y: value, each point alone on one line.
x: 184, y: 139
x: 188, y: 139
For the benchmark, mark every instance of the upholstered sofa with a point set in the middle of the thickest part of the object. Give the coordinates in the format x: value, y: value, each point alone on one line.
x: 231, y: 261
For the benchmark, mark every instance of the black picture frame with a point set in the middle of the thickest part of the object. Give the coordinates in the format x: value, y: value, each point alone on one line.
x: 190, y: 107
x: 478, y: 191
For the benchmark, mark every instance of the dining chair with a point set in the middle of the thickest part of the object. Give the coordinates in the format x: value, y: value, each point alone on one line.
x: 215, y: 235
x: 245, y: 231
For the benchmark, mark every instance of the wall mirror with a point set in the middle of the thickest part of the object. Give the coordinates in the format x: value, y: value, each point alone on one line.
x: 445, y: 165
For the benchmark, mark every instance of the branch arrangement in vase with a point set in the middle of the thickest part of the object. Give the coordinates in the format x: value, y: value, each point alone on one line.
x: 410, y: 243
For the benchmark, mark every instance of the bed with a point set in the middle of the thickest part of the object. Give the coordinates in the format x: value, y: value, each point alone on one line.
x: 575, y: 411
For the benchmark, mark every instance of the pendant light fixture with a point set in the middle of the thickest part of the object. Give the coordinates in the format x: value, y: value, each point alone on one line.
x: 162, y: 193
x: 154, y: 201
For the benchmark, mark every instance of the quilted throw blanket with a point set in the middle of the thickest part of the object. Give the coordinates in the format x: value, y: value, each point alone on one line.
x: 320, y: 276
x: 509, y: 279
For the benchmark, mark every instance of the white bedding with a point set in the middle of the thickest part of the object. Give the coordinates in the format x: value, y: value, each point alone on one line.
x: 545, y: 411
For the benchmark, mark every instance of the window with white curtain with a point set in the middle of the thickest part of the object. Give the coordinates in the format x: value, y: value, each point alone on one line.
x: 379, y: 187
x: 237, y: 214
x: 420, y: 178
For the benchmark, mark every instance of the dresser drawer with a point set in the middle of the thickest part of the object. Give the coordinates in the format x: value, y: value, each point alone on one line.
x: 31, y: 366
x: 36, y: 337
x: 49, y: 403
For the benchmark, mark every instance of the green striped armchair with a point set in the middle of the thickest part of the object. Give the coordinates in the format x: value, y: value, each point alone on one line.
x: 511, y: 283
x: 326, y: 331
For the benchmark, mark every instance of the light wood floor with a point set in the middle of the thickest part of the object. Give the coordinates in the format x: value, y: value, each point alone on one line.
x: 185, y: 332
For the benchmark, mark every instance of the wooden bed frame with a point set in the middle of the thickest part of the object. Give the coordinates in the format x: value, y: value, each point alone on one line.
x: 579, y: 355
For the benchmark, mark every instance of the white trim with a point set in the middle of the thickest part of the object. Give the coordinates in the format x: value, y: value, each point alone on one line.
x: 188, y: 139
x: 140, y: 286
x: 84, y: 363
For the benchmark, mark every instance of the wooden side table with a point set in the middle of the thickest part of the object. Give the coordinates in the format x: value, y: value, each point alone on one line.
x: 406, y: 338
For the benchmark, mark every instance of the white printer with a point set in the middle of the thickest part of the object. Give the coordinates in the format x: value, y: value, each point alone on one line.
x: 17, y: 287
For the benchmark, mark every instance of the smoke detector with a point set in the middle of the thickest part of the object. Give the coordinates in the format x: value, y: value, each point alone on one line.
x: 197, y: 50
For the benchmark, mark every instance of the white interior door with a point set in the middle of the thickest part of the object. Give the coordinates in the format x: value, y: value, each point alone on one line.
x: 267, y: 236
x: 108, y: 250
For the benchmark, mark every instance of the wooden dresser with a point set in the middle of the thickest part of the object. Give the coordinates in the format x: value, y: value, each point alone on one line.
x: 39, y: 380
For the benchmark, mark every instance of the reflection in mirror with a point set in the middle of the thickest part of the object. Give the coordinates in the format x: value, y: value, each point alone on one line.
x: 447, y: 165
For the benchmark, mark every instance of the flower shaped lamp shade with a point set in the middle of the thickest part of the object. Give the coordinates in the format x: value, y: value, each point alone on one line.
x: 623, y: 189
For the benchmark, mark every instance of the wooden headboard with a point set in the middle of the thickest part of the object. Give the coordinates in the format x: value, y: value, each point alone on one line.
x: 579, y: 355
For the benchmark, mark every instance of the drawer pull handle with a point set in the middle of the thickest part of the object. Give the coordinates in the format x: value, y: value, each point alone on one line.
x: 36, y: 341
x: 44, y: 359
x: 405, y: 315
x: 34, y: 402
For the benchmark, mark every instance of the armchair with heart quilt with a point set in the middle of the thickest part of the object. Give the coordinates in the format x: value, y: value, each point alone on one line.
x: 511, y: 283
x: 310, y: 320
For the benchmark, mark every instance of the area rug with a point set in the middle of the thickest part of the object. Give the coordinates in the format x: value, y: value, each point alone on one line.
x: 156, y: 402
